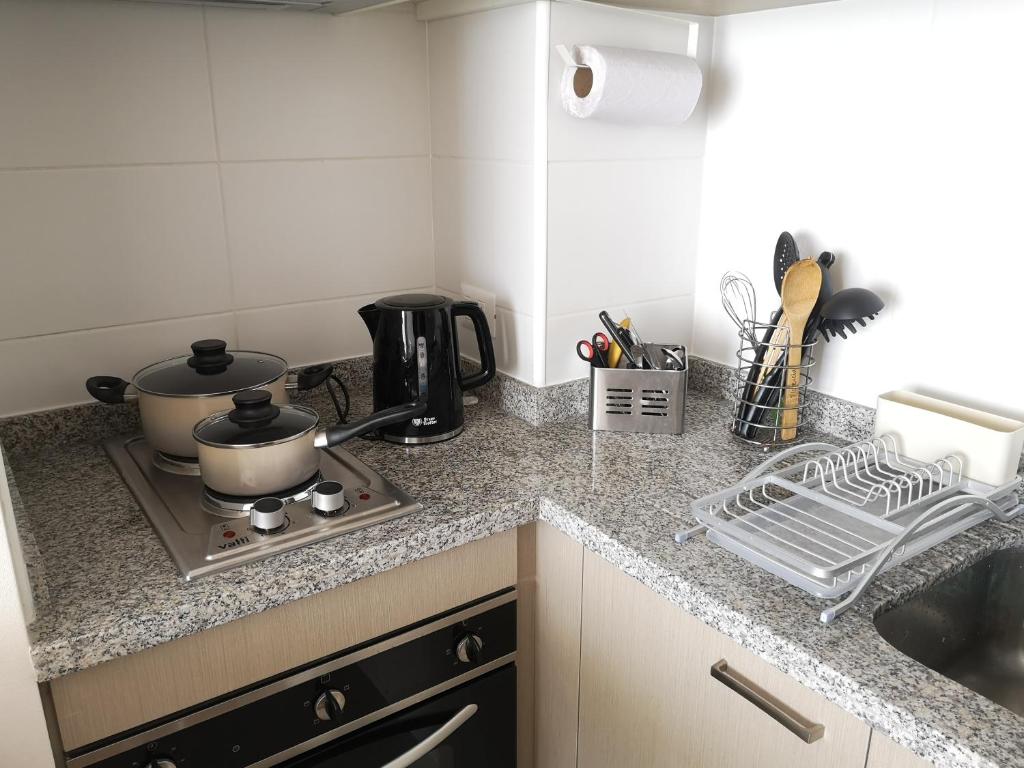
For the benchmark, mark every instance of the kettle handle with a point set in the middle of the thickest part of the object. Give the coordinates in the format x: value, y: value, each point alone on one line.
x: 483, y: 340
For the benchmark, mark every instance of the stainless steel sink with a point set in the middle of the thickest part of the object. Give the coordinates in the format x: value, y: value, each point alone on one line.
x: 969, y: 627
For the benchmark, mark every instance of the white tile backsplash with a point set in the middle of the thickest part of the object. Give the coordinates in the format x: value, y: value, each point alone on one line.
x: 71, y: 358
x: 481, y: 84
x: 91, y: 82
x: 94, y: 247
x: 620, y: 232
x: 300, y: 85
x: 307, y: 230
x: 310, y: 332
x: 668, y: 320
x: 913, y: 180
x: 316, y: 200
x: 572, y: 139
x: 513, y: 344
x: 483, y: 234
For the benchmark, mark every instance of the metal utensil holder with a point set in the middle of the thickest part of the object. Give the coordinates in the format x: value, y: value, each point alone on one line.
x: 760, y: 384
x: 638, y: 400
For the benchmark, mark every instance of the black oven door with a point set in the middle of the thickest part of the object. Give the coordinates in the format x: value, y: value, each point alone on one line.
x: 470, y: 726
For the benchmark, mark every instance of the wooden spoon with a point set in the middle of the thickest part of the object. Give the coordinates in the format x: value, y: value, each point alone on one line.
x: 800, y: 289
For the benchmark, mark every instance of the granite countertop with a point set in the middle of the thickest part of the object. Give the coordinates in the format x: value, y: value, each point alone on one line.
x: 105, y: 587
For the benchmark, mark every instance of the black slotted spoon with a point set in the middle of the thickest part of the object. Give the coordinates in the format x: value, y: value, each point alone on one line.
x: 847, y: 309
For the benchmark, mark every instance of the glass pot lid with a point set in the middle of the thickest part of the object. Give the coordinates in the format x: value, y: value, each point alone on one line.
x: 254, y: 422
x: 209, y: 371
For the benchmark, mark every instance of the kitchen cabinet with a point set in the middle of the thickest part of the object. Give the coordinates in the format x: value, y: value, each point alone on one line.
x: 711, y: 7
x: 431, y: 10
x: 886, y: 753
x: 126, y: 692
x: 648, y: 697
x: 559, y: 569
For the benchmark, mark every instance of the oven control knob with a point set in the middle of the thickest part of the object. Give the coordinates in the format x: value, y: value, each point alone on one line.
x: 329, y: 705
x: 161, y: 762
x: 468, y: 649
x: 267, y: 515
x: 328, y: 498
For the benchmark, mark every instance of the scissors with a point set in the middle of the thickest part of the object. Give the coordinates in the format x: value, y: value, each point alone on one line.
x: 594, y: 351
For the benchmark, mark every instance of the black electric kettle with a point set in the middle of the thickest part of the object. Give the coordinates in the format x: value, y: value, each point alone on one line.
x: 416, y: 354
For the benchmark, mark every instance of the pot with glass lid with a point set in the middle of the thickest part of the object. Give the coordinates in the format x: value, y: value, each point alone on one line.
x: 177, y: 393
x: 259, y: 447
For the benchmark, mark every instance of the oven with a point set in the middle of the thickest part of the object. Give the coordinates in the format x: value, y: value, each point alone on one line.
x: 440, y: 694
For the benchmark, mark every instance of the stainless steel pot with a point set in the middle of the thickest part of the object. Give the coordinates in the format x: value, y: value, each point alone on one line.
x: 177, y: 393
x: 259, y: 448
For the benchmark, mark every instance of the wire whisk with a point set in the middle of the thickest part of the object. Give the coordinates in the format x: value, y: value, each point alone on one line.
x: 740, y: 302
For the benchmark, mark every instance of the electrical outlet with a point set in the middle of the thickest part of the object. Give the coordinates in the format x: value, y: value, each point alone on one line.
x: 488, y: 303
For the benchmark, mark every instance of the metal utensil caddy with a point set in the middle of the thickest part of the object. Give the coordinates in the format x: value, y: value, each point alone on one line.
x: 760, y: 384
x: 638, y: 400
x: 830, y: 524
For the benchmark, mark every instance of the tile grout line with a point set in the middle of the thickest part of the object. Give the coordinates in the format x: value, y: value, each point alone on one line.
x: 220, y: 182
x: 213, y: 161
x: 228, y: 311
x: 430, y: 159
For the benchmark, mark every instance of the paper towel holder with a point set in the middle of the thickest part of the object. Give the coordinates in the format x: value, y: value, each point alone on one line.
x: 583, y: 79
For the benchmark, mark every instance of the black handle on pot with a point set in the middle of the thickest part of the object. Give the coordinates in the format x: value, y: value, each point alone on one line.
x: 483, y: 340
x: 313, y: 376
x: 210, y: 356
x: 338, y: 434
x: 107, y: 389
x: 253, y: 408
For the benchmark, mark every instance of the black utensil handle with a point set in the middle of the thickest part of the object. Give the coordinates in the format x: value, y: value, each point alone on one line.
x: 313, y: 376
x: 483, y: 341
x: 107, y: 389
x: 618, y: 335
x: 769, y: 395
x: 744, y: 411
x: 394, y: 415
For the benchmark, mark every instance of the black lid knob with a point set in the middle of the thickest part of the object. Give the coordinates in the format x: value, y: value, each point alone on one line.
x: 210, y: 356
x: 253, y: 408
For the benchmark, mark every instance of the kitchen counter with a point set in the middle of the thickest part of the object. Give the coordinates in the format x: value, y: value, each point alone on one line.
x: 105, y: 586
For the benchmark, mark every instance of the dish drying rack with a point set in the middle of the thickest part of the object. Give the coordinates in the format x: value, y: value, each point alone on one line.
x: 832, y: 523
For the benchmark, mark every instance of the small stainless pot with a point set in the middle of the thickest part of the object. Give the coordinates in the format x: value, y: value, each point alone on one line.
x: 176, y: 393
x: 260, y: 448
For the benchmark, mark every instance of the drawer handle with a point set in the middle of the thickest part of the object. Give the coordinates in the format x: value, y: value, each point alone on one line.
x: 760, y: 698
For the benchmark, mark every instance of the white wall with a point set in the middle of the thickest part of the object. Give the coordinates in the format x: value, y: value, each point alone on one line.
x: 482, y: 161
x: 173, y: 173
x: 890, y: 132
x: 24, y: 741
x: 623, y: 201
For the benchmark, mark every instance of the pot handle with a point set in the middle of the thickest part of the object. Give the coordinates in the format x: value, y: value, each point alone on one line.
x: 472, y: 310
x: 109, y: 389
x: 310, y: 377
x: 338, y: 434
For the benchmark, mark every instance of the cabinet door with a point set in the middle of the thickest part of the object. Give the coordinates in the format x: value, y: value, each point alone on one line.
x: 559, y: 566
x: 647, y: 696
x: 886, y: 753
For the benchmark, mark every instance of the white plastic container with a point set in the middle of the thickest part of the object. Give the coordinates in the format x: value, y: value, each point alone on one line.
x: 929, y: 429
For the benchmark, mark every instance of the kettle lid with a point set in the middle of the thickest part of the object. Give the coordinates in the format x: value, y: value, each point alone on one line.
x: 413, y: 301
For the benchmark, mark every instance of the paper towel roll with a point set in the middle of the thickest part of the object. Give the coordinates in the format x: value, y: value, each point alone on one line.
x: 623, y: 85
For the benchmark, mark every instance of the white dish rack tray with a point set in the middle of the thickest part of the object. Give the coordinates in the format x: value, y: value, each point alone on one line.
x: 830, y: 524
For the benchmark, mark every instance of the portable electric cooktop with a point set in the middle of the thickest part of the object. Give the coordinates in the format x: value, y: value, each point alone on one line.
x: 206, y: 532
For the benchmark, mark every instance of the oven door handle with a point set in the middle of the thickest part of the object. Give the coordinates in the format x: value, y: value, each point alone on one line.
x: 442, y: 733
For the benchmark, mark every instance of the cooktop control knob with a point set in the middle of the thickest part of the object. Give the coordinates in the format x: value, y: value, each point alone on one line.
x: 468, y: 649
x: 267, y: 515
x: 161, y: 762
x: 328, y: 498
x: 329, y: 705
